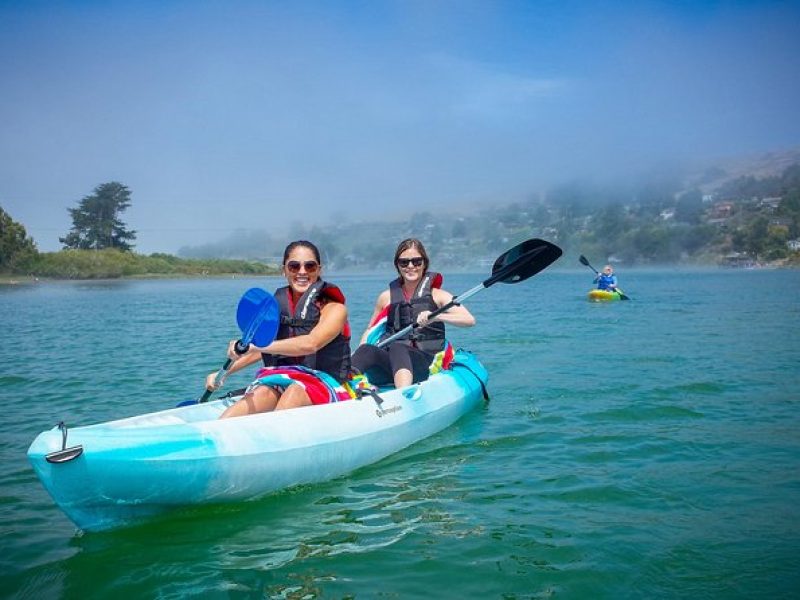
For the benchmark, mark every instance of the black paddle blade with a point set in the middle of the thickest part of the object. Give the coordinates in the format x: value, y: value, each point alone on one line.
x: 584, y: 261
x: 522, y: 261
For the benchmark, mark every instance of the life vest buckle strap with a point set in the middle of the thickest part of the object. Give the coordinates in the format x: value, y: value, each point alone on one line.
x: 372, y: 392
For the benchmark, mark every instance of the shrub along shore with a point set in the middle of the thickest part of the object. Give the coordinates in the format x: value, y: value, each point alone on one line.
x: 114, y: 264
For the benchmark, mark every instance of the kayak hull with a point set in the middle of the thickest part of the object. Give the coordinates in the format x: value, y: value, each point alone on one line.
x: 603, y: 296
x: 134, y: 468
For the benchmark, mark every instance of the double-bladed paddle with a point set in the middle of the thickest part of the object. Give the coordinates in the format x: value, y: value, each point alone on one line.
x: 517, y: 264
x: 584, y: 261
x: 258, y: 317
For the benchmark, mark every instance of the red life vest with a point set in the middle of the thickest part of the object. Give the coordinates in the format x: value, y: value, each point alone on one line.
x: 300, y: 319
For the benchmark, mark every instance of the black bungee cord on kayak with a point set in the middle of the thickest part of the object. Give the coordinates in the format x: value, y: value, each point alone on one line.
x: 474, y: 374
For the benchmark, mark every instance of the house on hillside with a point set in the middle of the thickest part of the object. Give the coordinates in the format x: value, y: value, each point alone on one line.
x: 740, y: 260
x: 720, y: 213
x: 550, y: 233
x: 721, y: 210
x: 779, y: 225
x: 770, y: 204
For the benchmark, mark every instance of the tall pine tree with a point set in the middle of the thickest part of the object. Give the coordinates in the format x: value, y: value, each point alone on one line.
x: 96, y: 223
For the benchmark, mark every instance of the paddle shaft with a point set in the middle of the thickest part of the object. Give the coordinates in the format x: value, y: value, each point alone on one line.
x: 454, y: 302
x: 207, y: 394
x: 241, y: 346
x: 586, y: 262
x: 506, y: 272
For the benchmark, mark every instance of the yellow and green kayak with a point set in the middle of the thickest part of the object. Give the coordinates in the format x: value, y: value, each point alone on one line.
x: 604, y: 296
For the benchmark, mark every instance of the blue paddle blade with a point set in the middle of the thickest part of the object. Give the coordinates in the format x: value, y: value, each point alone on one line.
x: 258, y: 316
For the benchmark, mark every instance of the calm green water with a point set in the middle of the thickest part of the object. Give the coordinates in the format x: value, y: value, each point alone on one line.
x: 643, y: 449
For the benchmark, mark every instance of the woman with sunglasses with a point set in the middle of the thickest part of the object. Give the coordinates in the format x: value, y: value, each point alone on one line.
x: 409, y: 299
x: 314, y: 332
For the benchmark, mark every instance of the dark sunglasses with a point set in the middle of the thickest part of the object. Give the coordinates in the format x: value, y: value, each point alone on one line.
x: 293, y: 266
x: 404, y: 262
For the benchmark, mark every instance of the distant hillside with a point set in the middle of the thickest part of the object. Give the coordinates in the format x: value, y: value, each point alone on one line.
x: 736, y: 211
x: 746, y: 208
x: 712, y: 176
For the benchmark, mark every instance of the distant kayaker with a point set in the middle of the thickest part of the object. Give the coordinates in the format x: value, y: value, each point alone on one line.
x: 606, y: 280
x: 314, y: 332
x: 409, y: 299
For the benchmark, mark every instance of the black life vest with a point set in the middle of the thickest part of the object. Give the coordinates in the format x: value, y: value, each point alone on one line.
x: 334, y: 358
x: 403, y: 313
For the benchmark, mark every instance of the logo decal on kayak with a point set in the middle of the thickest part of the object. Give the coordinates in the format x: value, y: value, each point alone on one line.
x: 387, y: 411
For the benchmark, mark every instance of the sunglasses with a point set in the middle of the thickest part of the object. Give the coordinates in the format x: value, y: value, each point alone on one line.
x: 404, y: 262
x: 311, y: 266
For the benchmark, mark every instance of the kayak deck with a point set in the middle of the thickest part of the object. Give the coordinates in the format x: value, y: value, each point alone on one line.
x: 143, y: 465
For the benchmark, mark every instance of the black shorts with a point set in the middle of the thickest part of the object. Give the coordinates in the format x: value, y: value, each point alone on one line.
x: 380, y: 364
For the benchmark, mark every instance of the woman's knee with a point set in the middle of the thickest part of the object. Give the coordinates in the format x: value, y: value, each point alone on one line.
x: 264, y: 399
x: 294, y: 396
x: 261, y: 399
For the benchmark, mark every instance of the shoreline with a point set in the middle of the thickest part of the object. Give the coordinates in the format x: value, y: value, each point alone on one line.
x: 25, y: 280
x: 33, y: 280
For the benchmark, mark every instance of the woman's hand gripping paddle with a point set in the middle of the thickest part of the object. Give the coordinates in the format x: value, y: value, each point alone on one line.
x: 584, y: 261
x: 258, y: 317
x: 517, y: 264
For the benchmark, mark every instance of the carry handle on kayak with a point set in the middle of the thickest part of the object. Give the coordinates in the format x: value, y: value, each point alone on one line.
x: 517, y: 264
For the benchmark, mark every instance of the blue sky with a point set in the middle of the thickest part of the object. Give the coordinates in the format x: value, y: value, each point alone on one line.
x: 228, y: 115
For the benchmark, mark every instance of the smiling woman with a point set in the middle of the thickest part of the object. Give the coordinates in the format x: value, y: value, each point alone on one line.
x: 313, y: 333
x: 410, y: 299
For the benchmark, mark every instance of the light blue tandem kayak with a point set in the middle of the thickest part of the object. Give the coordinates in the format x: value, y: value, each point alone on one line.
x: 120, y: 472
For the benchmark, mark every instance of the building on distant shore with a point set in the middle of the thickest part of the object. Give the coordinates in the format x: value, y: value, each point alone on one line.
x: 740, y: 260
x: 770, y: 204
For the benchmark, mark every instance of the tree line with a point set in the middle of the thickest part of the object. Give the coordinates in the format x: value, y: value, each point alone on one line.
x: 100, y: 246
x: 658, y: 222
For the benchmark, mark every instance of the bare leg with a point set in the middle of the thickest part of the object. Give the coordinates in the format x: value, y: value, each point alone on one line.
x: 294, y: 397
x: 262, y: 399
x: 403, y: 378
